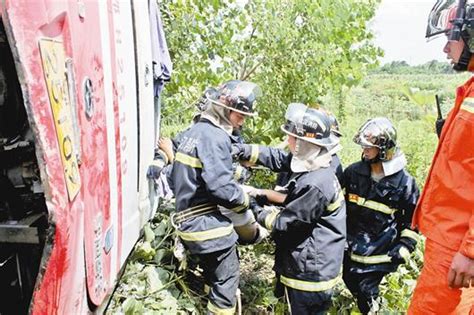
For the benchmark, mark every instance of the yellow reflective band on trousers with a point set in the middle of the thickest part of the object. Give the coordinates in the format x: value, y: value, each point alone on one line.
x: 309, y: 286
x: 188, y: 160
x: 254, y: 154
x: 410, y: 234
x: 468, y: 104
x: 404, y: 253
x: 371, y: 260
x: 373, y: 205
x: 220, y: 311
x: 336, y: 204
x: 206, y: 235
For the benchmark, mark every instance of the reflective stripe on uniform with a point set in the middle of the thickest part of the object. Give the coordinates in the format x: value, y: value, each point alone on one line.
x: 410, y: 234
x: 309, y: 286
x: 207, y: 234
x: 336, y: 204
x: 271, y: 217
x: 254, y: 154
x: 220, y: 311
x: 404, y: 253
x: 244, y: 206
x: 468, y: 104
x: 371, y: 260
x: 188, y: 160
x: 373, y: 205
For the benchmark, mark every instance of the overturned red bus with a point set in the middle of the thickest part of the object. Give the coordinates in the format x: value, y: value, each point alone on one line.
x: 79, y: 116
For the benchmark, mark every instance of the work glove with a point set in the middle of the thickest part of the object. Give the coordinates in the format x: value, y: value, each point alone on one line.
x: 261, y: 200
x: 241, y: 174
x: 258, y: 211
x: 399, y: 254
x: 241, y: 152
x: 262, y: 233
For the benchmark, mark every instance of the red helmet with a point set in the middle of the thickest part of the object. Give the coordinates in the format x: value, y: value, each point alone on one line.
x: 455, y: 18
x: 441, y: 18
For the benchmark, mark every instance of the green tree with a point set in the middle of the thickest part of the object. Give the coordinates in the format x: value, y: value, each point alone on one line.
x: 296, y: 50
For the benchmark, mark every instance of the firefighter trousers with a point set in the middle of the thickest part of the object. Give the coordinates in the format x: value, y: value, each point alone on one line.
x: 221, y: 273
x: 364, y: 287
x: 432, y: 294
x: 304, y: 302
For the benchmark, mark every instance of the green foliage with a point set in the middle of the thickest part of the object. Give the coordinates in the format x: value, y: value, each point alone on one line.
x: 152, y: 283
x: 402, y: 67
x: 296, y: 50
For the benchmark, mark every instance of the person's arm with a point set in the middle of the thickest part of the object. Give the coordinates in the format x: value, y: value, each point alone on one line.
x: 277, y: 160
x: 303, y: 207
x: 409, y: 237
x: 462, y: 267
x: 164, y: 156
x: 272, y: 196
x: 461, y: 271
x: 214, y: 154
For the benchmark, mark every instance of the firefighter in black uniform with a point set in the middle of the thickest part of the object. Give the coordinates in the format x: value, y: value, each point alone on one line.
x: 202, y: 179
x: 283, y: 178
x: 310, y: 231
x: 381, y: 196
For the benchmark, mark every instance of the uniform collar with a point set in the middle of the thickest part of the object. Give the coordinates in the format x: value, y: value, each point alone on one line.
x: 363, y: 168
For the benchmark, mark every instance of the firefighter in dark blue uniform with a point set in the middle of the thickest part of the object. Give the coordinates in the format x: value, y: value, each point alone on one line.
x: 336, y: 165
x: 310, y: 231
x: 380, y: 196
x: 202, y: 179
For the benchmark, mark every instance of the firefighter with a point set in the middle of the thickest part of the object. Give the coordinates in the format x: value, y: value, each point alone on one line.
x: 445, y: 211
x: 248, y: 230
x: 283, y: 178
x: 381, y: 196
x: 202, y: 180
x: 310, y: 231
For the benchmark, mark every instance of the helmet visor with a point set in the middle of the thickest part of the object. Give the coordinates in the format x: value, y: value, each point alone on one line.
x: 373, y: 131
x: 294, y: 118
x: 240, y: 96
x: 441, y: 17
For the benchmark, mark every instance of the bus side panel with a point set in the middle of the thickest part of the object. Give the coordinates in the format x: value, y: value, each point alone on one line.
x: 97, y: 150
x: 62, y: 270
x: 125, y: 105
x: 145, y: 106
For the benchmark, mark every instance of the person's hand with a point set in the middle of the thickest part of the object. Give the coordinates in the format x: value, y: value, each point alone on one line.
x: 461, y: 272
x: 166, y: 145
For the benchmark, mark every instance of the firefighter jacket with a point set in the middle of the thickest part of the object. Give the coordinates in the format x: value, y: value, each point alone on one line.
x: 201, y: 179
x: 445, y: 213
x: 310, y: 231
x: 379, y: 215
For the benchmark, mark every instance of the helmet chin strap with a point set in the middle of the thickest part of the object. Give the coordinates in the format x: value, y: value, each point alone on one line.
x: 463, y: 63
x: 371, y: 161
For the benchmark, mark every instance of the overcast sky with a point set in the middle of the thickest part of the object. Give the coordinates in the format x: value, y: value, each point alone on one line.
x: 400, y: 27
